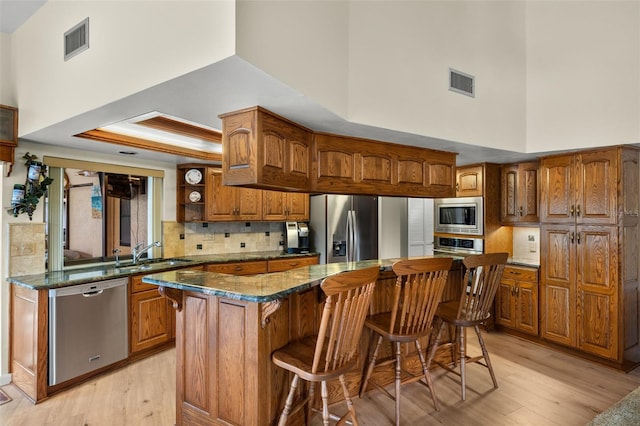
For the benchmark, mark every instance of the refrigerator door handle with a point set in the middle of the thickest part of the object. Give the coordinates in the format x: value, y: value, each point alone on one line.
x: 350, y: 235
x: 356, y: 242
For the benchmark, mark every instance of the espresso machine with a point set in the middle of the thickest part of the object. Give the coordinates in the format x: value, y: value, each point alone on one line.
x: 296, y: 237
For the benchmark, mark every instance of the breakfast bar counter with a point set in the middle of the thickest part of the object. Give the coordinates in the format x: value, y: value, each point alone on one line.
x: 228, y: 326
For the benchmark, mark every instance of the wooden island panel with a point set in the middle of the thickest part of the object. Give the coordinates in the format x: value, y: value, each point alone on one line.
x: 224, y: 370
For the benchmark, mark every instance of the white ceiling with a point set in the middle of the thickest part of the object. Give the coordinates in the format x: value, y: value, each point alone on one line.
x: 202, y: 95
x: 14, y: 13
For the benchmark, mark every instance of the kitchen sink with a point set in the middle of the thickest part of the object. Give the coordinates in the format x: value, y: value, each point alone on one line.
x: 152, y: 264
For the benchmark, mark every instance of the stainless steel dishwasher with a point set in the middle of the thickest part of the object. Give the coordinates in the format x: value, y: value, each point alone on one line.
x: 87, y: 328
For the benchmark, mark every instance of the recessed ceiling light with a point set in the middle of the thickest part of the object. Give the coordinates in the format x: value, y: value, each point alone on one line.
x: 156, y: 126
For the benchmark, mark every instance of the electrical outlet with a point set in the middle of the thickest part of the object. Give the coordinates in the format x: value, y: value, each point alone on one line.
x: 242, y: 245
x: 532, y: 243
x: 199, y: 247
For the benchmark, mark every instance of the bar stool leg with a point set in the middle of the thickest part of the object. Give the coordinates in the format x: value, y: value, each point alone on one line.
x: 427, y: 376
x: 434, y: 345
x: 485, y: 354
x: 398, y: 380
x: 325, y: 403
x: 460, y: 332
x: 312, y: 390
x: 352, y: 411
x: 372, y: 364
x: 289, y: 403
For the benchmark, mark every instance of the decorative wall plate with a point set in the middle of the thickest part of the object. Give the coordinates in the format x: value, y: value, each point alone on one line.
x: 193, y: 176
x: 194, y: 196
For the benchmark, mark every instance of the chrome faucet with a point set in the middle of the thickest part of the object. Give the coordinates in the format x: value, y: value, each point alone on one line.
x: 137, y: 251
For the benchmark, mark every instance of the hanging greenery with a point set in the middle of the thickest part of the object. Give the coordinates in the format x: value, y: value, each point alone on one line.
x: 25, y: 198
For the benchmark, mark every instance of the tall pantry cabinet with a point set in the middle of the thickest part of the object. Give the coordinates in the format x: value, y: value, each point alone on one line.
x: 589, y: 258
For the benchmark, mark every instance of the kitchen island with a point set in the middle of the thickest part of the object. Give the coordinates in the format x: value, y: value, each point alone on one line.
x: 228, y: 326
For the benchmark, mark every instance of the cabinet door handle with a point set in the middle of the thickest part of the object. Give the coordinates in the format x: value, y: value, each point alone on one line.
x: 573, y: 237
x: 457, y: 186
x: 578, y: 210
x: 578, y: 237
x: 521, y: 210
x: 571, y: 210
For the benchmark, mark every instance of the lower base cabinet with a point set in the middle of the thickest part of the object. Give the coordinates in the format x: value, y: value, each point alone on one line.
x: 517, y: 299
x: 151, y: 317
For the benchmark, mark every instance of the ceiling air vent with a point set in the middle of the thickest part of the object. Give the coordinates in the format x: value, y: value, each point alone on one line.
x: 76, y: 40
x: 461, y: 83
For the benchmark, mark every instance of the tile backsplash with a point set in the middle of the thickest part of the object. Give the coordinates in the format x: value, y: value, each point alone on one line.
x: 526, y: 245
x: 190, y: 239
x: 26, y: 248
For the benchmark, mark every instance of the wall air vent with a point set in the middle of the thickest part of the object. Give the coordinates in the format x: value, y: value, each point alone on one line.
x: 76, y: 40
x: 461, y: 83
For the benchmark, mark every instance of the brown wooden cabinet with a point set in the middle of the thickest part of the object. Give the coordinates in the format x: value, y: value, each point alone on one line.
x: 239, y: 268
x: 264, y: 150
x: 285, y: 206
x: 151, y: 316
x: 29, y: 348
x: 230, y: 203
x: 580, y: 188
x: 8, y: 132
x: 253, y: 267
x: 580, y: 287
x: 469, y: 181
x: 519, y: 199
x: 347, y: 165
x: 191, y: 193
x: 285, y: 264
x: 588, y: 253
x: 517, y: 299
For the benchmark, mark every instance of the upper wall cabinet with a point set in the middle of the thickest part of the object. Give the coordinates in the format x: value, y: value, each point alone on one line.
x: 346, y: 165
x: 519, y: 198
x: 191, y: 193
x: 264, y: 150
x: 8, y: 132
x: 580, y: 188
x: 469, y: 181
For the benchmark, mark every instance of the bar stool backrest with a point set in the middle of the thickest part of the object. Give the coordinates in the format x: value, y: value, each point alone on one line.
x: 345, y: 309
x: 417, y: 293
x: 480, y: 283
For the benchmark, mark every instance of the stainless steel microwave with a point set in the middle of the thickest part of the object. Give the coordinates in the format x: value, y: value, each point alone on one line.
x: 463, y: 215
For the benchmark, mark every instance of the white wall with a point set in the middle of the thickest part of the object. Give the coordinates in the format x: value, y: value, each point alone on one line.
x: 583, y: 74
x: 304, y: 44
x: 400, y: 53
x: 550, y: 75
x: 7, y: 96
x: 385, y: 63
x: 133, y: 46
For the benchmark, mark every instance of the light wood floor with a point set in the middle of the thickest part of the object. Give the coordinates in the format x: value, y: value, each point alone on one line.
x: 538, y: 387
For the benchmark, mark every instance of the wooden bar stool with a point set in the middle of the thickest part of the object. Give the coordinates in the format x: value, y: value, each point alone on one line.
x: 334, y: 351
x: 417, y: 293
x: 479, y: 287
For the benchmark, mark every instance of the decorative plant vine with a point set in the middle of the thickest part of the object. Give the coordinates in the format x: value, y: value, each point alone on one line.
x: 35, y: 186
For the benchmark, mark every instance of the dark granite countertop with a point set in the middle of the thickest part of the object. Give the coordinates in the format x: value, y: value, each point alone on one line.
x: 58, y: 279
x: 263, y: 287
x: 256, y: 288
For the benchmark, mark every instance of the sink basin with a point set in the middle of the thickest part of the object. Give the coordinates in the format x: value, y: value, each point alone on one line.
x: 151, y: 264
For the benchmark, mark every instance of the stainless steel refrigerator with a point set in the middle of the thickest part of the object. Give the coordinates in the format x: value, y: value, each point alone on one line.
x: 344, y: 228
